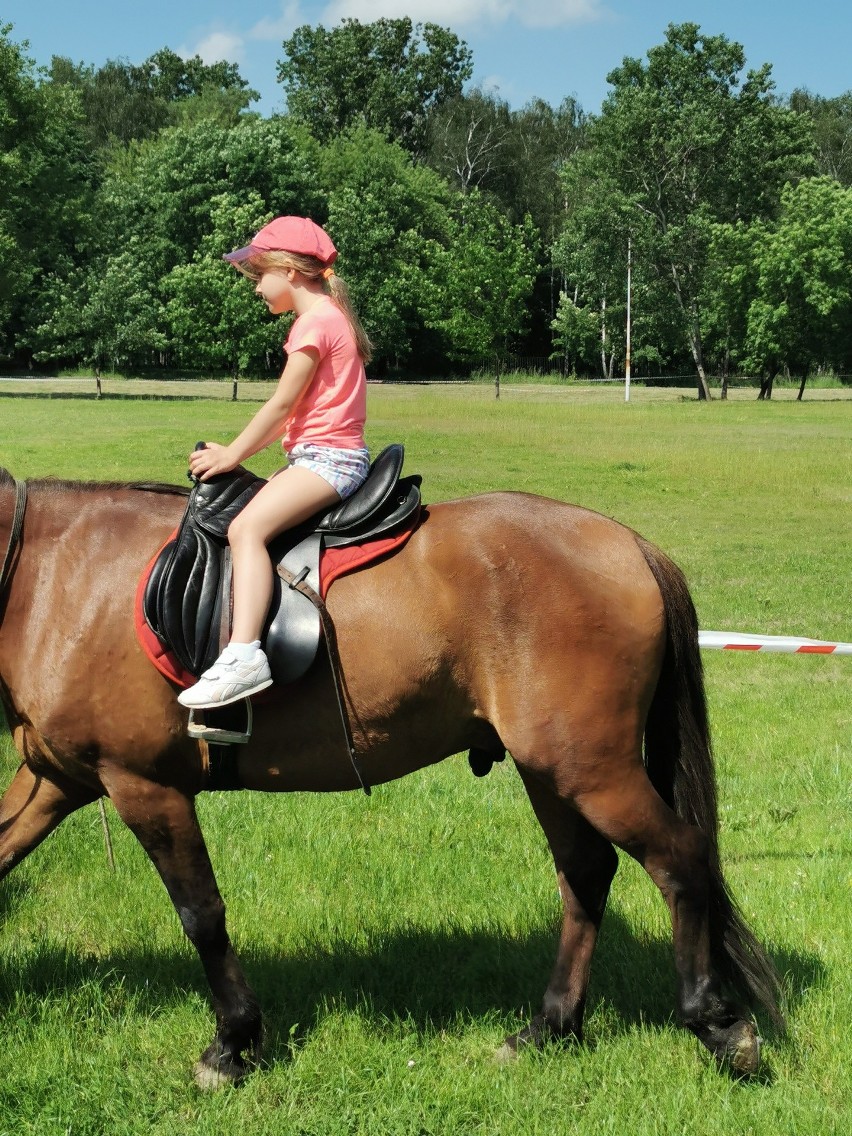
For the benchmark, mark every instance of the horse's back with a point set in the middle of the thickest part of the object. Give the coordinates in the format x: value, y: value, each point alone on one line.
x: 535, y: 552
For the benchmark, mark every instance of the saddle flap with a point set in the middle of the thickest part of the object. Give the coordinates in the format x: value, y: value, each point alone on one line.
x: 182, y: 600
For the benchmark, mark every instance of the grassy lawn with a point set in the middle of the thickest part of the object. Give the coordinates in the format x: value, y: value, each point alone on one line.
x: 394, y: 940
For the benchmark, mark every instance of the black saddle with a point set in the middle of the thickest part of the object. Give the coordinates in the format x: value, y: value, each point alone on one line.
x: 188, y: 595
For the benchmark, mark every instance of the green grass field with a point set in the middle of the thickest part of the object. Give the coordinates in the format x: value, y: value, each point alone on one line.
x: 394, y: 940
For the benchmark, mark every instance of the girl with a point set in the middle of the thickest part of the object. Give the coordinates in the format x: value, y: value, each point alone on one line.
x: 319, y: 407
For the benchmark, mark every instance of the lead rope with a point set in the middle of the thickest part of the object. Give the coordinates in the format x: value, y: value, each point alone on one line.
x: 5, y: 577
x: 14, y: 534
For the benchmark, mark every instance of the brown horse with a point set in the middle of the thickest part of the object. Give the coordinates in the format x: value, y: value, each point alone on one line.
x: 506, y: 621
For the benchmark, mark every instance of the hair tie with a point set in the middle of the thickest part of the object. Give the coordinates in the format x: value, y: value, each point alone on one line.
x: 327, y: 273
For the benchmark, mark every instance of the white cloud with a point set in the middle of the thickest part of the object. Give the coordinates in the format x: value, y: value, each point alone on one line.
x: 457, y: 13
x: 215, y: 46
x: 279, y: 27
x: 493, y: 84
x: 232, y: 44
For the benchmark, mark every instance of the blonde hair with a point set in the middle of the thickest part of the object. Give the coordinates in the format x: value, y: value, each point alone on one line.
x: 313, y: 269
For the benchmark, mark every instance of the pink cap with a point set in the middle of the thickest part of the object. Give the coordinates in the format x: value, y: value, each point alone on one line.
x: 289, y: 234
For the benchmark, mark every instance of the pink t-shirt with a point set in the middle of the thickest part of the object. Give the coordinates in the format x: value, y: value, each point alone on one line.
x: 332, y: 411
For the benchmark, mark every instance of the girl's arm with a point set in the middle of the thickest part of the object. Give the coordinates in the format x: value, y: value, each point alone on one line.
x: 265, y: 426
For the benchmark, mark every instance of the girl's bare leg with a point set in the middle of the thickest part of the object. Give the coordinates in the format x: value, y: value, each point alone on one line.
x: 288, y: 499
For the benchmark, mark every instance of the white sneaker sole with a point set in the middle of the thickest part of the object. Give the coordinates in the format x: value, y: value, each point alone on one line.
x: 213, y: 704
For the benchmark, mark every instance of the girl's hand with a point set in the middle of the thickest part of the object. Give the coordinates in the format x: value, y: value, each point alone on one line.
x: 213, y: 459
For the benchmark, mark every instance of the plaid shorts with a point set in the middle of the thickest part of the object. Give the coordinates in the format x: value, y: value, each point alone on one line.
x: 344, y: 470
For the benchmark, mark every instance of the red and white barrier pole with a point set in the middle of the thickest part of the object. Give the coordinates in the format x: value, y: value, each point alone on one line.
x: 783, y: 644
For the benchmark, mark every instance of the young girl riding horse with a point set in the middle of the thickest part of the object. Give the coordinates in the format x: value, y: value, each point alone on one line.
x: 318, y: 410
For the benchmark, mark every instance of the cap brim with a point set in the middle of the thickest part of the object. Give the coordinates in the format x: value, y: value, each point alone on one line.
x: 239, y: 254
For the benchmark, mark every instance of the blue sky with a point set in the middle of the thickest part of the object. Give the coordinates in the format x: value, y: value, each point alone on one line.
x: 524, y: 48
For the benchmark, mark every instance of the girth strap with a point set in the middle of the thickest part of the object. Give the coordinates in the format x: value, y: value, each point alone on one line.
x: 298, y: 583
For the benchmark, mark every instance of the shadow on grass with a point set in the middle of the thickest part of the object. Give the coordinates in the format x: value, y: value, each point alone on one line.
x: 428, y: 979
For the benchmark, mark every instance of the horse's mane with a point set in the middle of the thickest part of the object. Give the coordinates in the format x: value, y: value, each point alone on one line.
x: 97, y: 486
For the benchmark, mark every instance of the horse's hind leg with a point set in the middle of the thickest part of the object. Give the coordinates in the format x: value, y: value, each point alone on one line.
x: 675, y: 855
x: 164, y: 821
x: 585, y: 865
x: 30, y: 810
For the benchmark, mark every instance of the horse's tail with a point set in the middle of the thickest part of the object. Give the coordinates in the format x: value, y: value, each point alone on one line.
x: 680, y: 765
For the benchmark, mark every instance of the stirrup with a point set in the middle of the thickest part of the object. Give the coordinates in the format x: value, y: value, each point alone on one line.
x: 198, y: 727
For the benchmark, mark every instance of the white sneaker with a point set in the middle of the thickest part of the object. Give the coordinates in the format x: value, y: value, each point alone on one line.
x: 227, y: 681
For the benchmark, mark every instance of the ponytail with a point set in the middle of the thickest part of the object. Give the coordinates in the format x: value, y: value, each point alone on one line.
x: 337, y: 291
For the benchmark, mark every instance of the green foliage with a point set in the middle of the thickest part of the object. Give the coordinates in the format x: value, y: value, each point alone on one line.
x: 122, y: 101
x: 389, y: 217
x: 477, y: 141
x: 832, y: 131
x: 577, y: 334
x: 46, y: 177
x: 158, y: 217
x: 801, y: 309
x: 778, y: 293
x: 213, y: 315
x: 485, y: 277
x: 388, y: 75
x: 421, y: 259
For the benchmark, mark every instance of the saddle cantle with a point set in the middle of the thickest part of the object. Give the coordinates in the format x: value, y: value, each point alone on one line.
x: 186, y: 601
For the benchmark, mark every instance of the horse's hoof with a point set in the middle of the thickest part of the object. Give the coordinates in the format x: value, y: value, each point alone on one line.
x: 211, y: 1076
x: 507, y: 1054
x: 530, y: 1037
x: 742, y: 1050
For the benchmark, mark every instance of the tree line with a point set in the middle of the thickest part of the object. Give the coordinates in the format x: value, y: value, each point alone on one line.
x: 466, y: 229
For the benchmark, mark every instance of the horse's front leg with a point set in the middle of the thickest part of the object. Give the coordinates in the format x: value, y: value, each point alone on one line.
x: 165, y: 823
x: 30, y: 810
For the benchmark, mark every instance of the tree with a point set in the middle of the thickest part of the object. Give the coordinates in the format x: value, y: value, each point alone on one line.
x: 801, y: 311
x: 832, y: 130
x: 214, y: 317
x: 515, y: 157
x: 124, y: 101
x: 389, y: 218
x: 466, y: 137
x: 434, y: 273
x: 158, y: 207
x: 730, y: 284
x: 390, y: 75
x: 576, y: 333
x: 22, y: 119
x: 46, y: 186
x: 688, y: 143
x: 485, y: 277
x: 591, y: 256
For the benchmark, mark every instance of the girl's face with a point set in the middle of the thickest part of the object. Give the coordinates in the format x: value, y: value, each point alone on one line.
x: 275, y: 289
